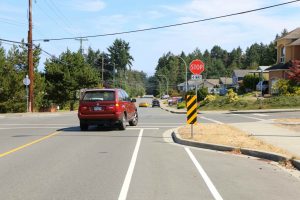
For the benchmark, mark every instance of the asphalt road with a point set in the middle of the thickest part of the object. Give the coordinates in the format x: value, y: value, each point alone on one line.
x: 48, y: 157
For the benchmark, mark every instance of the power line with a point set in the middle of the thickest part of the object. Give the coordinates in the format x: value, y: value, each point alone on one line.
x: 59, y: 14
x: 170, y: 25
x: 58, y: 23
x: 12, y: 22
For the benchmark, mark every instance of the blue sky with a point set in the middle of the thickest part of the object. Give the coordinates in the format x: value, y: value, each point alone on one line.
x: 69, y: 18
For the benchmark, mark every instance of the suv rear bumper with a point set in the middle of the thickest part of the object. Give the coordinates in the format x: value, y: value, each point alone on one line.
x: 100, y: 117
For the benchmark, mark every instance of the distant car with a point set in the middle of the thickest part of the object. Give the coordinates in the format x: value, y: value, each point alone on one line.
x: 143, y: 104
x: 148, y: 96
x: 155, y: 102
x: 165, y: 96
x: 263, y: 86
x: 106, y: 107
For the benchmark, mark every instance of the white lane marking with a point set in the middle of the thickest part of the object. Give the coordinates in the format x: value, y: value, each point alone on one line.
x: 160, y: 126
x: 161, y: 123
x: 261, y: 115
x: 205, y: 177
x: 218, y: 122
x: 126, y: 183
x: 139, y: 128
x: 249, y: 117
x: 38, y: 124
x: 27, y: 127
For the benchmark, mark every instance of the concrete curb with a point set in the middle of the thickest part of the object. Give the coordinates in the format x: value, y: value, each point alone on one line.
x: 250, y: 152
x: 34, y: 114
x: 178, y: 140
x: 264, y: 155
x: 296, y: 164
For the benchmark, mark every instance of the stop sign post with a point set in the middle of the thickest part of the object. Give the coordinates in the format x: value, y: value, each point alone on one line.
x: 197, y: 67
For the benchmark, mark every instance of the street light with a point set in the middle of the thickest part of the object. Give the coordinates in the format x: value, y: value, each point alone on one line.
x: 167, y: 82
x: 186, y: 83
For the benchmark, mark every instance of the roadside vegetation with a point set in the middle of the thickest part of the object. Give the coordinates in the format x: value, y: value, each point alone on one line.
x: 63, y: 76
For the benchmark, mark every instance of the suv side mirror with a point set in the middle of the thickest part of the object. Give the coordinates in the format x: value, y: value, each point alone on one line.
x: 133, y: 100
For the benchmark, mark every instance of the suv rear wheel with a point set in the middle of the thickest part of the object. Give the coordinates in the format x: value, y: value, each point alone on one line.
x: 83, y: 126
x: 122, y: 125
x: 135, y: 119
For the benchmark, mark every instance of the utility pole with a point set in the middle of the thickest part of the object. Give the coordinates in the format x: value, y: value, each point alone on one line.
x: 30, y: 60
x: 102, y: 69
x: 114, y: 75
x: 80, y: 40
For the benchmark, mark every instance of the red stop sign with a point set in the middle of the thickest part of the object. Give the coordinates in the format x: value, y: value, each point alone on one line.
x: 197, y: 66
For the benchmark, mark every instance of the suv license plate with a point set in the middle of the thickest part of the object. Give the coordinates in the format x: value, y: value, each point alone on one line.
x: 97, y: 108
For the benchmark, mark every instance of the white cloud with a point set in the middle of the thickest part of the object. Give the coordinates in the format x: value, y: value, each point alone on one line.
x: 89, y: 5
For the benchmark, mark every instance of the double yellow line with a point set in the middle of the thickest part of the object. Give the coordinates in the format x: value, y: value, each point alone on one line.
x: 29, y: 144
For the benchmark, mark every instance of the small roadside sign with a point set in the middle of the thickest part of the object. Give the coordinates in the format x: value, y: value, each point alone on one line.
x: 197, y: 67
x: 26, y: 81
x: 196, y: 77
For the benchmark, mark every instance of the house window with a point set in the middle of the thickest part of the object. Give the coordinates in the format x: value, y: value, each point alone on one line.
x: 282, y: 57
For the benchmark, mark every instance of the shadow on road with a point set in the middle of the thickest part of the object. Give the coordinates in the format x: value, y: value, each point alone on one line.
x: 91, y: 129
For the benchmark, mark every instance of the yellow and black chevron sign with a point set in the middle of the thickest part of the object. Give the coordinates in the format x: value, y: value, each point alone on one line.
x: 191, y: 103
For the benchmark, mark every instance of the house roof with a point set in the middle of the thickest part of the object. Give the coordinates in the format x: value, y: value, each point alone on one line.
x: 295, y: 34
x: 227, y: 80
x: 190, y: 83
x: 280, y: 66
x: 213, y: 81
x: 263, y: 68
x: 241, y: 73
x: 297, y: 42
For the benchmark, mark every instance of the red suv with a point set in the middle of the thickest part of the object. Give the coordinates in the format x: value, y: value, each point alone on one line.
x: 106, y: 107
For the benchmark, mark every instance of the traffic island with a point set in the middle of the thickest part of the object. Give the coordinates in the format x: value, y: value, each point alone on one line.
x: 222, y: 137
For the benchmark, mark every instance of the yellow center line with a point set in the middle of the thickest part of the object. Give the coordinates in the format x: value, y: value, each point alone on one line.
x: 29, y: 144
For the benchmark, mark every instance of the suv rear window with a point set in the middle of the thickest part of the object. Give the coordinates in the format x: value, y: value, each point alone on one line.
x: 99, y: 96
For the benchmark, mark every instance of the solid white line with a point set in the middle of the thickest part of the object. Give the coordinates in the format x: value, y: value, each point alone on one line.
x: 249, y: 117
x: 218, y: 122
x: 125, y: 187
x: 12, y: 128
x: 261, y: 115
x: 160, y: 126
x: 205, y: 177
x: 38, y: 124
x: 139, y: 128
x: 162, y: 123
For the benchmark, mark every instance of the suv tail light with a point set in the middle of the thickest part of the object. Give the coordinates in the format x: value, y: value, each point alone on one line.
x: 83, y: 108
x: 114, y: 107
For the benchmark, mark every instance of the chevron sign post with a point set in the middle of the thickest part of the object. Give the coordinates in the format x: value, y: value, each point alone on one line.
x: 191, y: 114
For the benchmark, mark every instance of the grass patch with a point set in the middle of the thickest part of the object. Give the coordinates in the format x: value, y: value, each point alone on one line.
x: 248, y: 102
x: 229, y: 136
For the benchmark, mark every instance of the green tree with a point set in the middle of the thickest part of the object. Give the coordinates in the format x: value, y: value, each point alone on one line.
x: 66, y: 75
x: 250, y: 81
x: 120, y: 55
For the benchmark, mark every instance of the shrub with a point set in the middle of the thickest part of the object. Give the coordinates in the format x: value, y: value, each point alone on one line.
x: 250, y: 81
x: 209, y: 98
x: 181, y: 105
x: 286, y: 87
x: 202, y: 93
x: 232, y: 96
x: 296, y: 90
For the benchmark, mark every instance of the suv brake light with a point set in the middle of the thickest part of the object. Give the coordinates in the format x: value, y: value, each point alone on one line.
x: 82, y: 108
x: 114, y: 107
